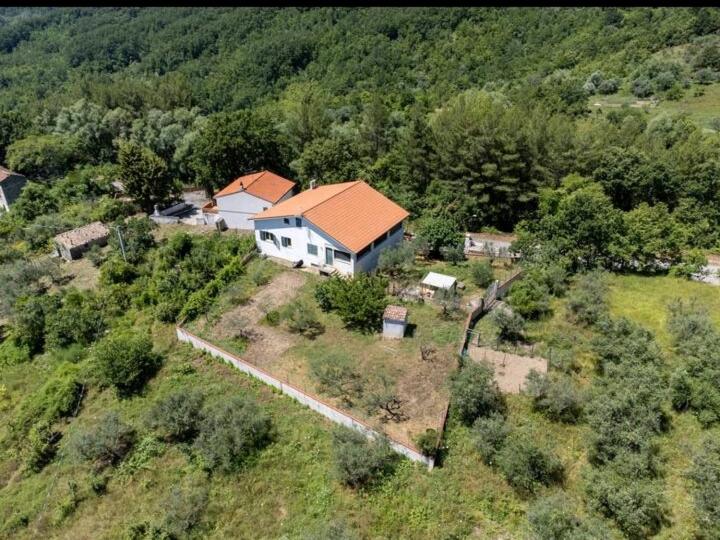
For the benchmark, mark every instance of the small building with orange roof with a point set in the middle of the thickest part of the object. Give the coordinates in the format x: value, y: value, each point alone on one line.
x: 247, y: 195
x: 336, y: 228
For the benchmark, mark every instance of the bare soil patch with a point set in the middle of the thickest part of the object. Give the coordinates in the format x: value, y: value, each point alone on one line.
x: 510, y: 369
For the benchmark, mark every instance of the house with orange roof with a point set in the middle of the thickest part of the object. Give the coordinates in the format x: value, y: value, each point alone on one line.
x: 335, y: 228
x: 245, y: 196
x: 11, y: 184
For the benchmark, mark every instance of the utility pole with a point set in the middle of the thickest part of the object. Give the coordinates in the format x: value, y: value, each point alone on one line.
x: 122, y: 244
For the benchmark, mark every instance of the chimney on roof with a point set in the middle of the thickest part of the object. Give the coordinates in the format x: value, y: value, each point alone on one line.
x: 312, y: 184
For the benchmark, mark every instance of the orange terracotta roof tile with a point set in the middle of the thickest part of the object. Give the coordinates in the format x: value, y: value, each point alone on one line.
x: 353, y: 213
x: 264, y: 184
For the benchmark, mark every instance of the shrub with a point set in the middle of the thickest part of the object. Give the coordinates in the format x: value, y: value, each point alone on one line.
x: 360, y: 462
x: 554, y: 518
x: 359, y: 301
x: 231, y: 432
x: 527, y: 466
x: 106, y: 443
x: 608, y: 86
x: 272, y: 317
x: 482, y: 273
x: 126, y: 360
x: 454, y: 254
x: 705, y: 477
x: 587, y: 302
x: 336, y: 375
x: 116, y: 270
x: 475, y: 393
x: 489, y: 435
x: 692, y: 263
x: 95, y: 255
x: 438, y: 233
x: 30, y: 316
x: 529, y: 297
x: 510, y: 326
x: 40, y: 446
x: 184, y: 509
x: 301, y: 318
x: 427, y: 442
x: 556, y: 398
x: 397, y: 260
x: 638, y: 507
x: 79, y: 319
x: 176, y: 417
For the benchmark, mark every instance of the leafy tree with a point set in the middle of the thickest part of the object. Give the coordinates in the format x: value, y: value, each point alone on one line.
x: 360, y: 462
x: 126, y: 360
x: 177, y: 416
x: 439, y: 233
x: 705, y: 477
x: 587, y: 301
x: 231, y: 432
x: 554, y: 518
x: 35, y: 199
x: 475, y: 393
x: 489, y: 435
x: 482, y: 273
x: 328, y: 160
x: 31, y: 314
x: 42, y: 157
x: 105, y: 443
x: 145, y: 175
x: 396, y: 261
x: 527, y: 466
x: 359, y: 301
x: 79, y: 319
x: 137, y: 239
x: 231, y: 144
x: 510, y: 326
x: 557, y: 398
x: 302, y: 318
x: 529, y: 298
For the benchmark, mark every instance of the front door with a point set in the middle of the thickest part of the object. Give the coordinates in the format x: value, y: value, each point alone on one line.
x: 328, y: 256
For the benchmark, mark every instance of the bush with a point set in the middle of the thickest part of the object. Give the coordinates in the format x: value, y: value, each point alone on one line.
x: 553, y: 518
x: 184, y: 509
x: 587, y: 301
x: 116, y: 270
x: 231, y: 432
x: 126, y: 361
x: 705, y: 477
x: 176, y: 417
x: 360, y: 462
x: 527, y: 466
x: 336, y: 375
x: 301, y: 318
x: 529, y: 298
x: 475, y: 393
x: 438, y: 233
x: 454, y: 254
x: 40, y: 446
x: 427, y: 442
x: 556, y: 398
x: 95, y: 255
x: 489, y: 435
x: 359, y: 301
x: 482, y: 273
x: 397, y: 260
x: 106, y: 443
x: 608, y: 86
x: 510, y: 326
x: 638, y: 507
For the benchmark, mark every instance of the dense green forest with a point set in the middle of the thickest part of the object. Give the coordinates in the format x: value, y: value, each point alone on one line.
x: 594, y: 134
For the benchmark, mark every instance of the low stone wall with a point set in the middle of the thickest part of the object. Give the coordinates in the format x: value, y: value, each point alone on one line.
x: 314, y: 403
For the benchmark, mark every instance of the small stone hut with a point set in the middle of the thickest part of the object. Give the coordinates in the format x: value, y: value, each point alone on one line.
x: 394, y: 322
x: 72, y: 244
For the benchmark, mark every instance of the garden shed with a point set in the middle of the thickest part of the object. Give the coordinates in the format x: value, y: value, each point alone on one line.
x: 394, y: 322
x: 433, y: 282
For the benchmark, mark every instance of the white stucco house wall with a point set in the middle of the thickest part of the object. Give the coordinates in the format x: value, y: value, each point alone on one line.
x: 339, y: 228
x: 245, y: 196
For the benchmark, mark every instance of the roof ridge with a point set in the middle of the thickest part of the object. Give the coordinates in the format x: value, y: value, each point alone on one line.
x: 353, y: 184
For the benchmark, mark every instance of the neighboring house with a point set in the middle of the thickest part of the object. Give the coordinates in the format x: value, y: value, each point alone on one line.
x: 334, y: 228
x: 72, y: 244
x: 490, y: 244
x: 244, y: 197
x: 11, y: 184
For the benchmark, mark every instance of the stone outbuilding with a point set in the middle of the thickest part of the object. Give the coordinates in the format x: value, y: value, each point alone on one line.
x: 72, y: 244
x: 394, y: 322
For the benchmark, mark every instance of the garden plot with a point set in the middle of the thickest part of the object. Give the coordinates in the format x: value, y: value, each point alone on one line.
x: 510, y: 369
x: 391, y: 385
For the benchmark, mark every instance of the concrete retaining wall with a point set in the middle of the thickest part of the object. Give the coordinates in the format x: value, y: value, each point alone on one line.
x: 315, y: 404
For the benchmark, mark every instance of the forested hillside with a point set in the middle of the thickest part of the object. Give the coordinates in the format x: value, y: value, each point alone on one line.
x: 593, y: 134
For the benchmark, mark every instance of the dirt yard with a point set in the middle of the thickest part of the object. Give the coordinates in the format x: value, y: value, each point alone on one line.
x: 510, y: 369
x: 420, y: 384
x: 268, y: 343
